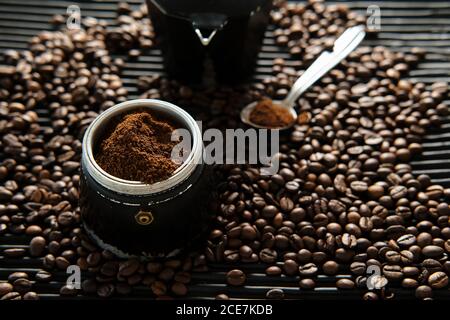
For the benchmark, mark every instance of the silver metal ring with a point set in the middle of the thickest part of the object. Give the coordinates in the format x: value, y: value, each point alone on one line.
x: 136, y: 187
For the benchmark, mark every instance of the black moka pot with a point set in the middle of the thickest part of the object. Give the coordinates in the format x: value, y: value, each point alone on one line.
x: 222, y: 37
x: 130, y: 218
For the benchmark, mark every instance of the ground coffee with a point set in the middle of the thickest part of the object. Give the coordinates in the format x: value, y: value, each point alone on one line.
x: 268, y: 114
x: 138, y: 148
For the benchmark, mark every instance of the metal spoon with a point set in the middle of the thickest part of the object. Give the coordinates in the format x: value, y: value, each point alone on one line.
x: 345, y: 44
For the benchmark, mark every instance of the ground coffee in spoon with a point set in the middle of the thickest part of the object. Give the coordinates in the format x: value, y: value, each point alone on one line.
x: 271, y: 115
x: 138, y: 148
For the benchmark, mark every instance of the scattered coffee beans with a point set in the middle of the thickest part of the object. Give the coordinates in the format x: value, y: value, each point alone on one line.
x: 277, y: 294
x: 236, y: 277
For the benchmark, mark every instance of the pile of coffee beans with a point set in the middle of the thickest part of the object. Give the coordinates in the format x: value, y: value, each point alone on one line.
x: 132, y: 32
x: 71, y: 75
x: 344, y: 199
x: 307, y: 30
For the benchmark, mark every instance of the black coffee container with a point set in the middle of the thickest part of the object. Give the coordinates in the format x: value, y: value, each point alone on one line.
x: 131, y: 218
x: 198, y: 36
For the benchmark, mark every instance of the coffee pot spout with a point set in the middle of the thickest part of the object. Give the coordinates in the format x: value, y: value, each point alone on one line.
x: 203, y: 39
x: 206, y: 25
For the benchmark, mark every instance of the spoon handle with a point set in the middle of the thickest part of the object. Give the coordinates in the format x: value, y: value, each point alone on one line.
x: 303, y: 83
x: 345, y: 44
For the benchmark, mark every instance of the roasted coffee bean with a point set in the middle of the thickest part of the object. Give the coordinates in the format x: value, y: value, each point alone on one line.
x: 330, y: 268
x: 269, y: 212
x: 406, y: 240
x: 12, y: 296
x: 127, y: 268
x: 370, y: 296
x: 336, y: 206
x: 349, y: 240
x: 358, y: 268
x: 17, y: 275
x: 89, y: 286
x: 5, y: 288
x: 274, y: 271
x: 268, y: 255
x: 432, y: 251
x: 109, y: 268
x: 361, y: 282
x: 174, y: 264
x: 245, y: 251
x: 236, y: 277
x: 308, y: 270
x: 33, y: 230
x: 398, y: 192
x: 438, y: 280
x: 307, y: 283
x: 134, y: 279
x: 183, y: 277
x: 392, y: 272
x: 14, y: 252
x: 154, y: 267
x: 179, y: 289
x: 359, y: 186
x: 66, y: 218
x: 423, y: 276
x: 345, y: 284
x: 339, y: 183
x: 105, y: 290
x: 37, y: 246
x: 375, y: 191
x: 447, y: 246
x: 366, y: 224
x: 424, y: 239
x: 43, y: 276
x: 410, y: 271
x: 290, y: 267
x: 166, y: 274
x: 222, y: 296
x: 423, y: 292
x: 409, y: 283
x: 68, y: 290
x: 334, y: 228
x: 343, y: 255
x: 432, y: 265
x: 158, y: 288
x: 62, y: 263
x: 406, y: 257
x: 94, y: 258
x: 231, y: 255
x: 393, y: 256
x: 30, y: 296
x: 446, y: 267
x: 277, y: 294
x: 248, y: 233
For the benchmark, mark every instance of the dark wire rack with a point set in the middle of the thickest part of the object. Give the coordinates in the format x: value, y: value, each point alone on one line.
x: 405, y: 24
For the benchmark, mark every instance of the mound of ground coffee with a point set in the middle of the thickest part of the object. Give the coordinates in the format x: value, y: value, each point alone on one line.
x: 270, y: 115
x: 138, y: 148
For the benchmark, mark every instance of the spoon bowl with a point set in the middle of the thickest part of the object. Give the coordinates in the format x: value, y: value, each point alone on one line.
x: 245, y: 116
x: 326, y: 61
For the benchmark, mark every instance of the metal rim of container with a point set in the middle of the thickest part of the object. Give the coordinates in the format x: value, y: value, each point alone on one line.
x: 136, y: 187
